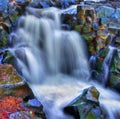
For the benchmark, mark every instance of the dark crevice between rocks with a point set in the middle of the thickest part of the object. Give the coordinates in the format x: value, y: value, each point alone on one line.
x: 72, y: 111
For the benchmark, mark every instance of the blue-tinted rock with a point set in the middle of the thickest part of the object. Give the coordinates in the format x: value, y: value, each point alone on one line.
x: 3, y: 5
x: 116, y: 16
x: 44, y: 5
x: 105, y: 20
x: 34, y: 103
x: 105, y: 11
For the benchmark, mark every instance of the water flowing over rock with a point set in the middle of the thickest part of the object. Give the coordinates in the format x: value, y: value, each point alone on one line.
x: 54, y: 64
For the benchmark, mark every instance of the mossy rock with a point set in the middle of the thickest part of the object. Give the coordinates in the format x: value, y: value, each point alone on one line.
x: 88, y: 37
x: 114, y: 80
x: 104, y: 52
x: 87, y: 28
x: 99, y: 65
x: 92, y: 94
x: 3, y: 38
x: 91, y: 116
x: 118, y: 65
x: 8, y: 75
x: 115, y: 65
x: 14, y: 16
x: 78, y: 28
x: 95, y: 113
x: 88, y: 104
x: 8, y: 58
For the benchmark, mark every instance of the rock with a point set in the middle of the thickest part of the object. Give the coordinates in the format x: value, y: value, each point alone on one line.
x: 33, y: 103
x: 87, y: 28
x: 100, y: 43
x: 118, y: 65
x: 9, y: 77
x: 44, y: 5
x: 116, y: 16
x: 92, y: 94
x: 94, y: 114
x: 5, y: 26
x: 3, y: 5
x: 3, y: 38
x: 115, y: 63
x: 95, y: 26
x: 8, y: 58
x: 21, y: 115
x: 13, y: 16
x: 78, y: 28
x: 8, y: 72
x: 90, y: 13
x: 105, y: 20
x: 105, y: 11
x: 114, y: 26
x: 114, y: 78
x: 88, y: 104
x: 114, y: 81
x: 23, y: 2
x: 39, y: 4
x: 102, y: 54
x: 102, y: 35
x: 84, y: 11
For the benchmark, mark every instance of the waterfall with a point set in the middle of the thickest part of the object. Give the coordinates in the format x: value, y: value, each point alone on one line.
x: 54, y: 63
x: 106, y: 65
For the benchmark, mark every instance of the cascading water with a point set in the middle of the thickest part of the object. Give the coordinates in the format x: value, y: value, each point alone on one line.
x: 54, y: 63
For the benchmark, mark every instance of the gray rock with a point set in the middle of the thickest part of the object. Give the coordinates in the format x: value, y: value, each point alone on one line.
x: 105, y: 11
x: 105, y: 20
x: 3, y: 5
x: 118, y: 14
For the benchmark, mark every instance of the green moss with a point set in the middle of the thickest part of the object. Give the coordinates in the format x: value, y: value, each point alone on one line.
x: 114, y: 80
x: 104, y: 53
x: 91, y: 115
x: 3, y: 39
x: 8, y: 58
x: 78, y: 28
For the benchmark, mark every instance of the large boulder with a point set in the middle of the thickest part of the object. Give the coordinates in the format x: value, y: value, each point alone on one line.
x: 87, y: 104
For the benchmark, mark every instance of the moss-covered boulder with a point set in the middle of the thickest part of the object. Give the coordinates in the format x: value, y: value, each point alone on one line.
x: 88, y: 104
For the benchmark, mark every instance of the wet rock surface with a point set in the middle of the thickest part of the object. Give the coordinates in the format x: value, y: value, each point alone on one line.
x: 86, y: 105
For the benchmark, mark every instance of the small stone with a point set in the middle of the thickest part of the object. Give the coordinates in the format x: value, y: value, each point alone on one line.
x: 92, y: 94
x: 34, y: 103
